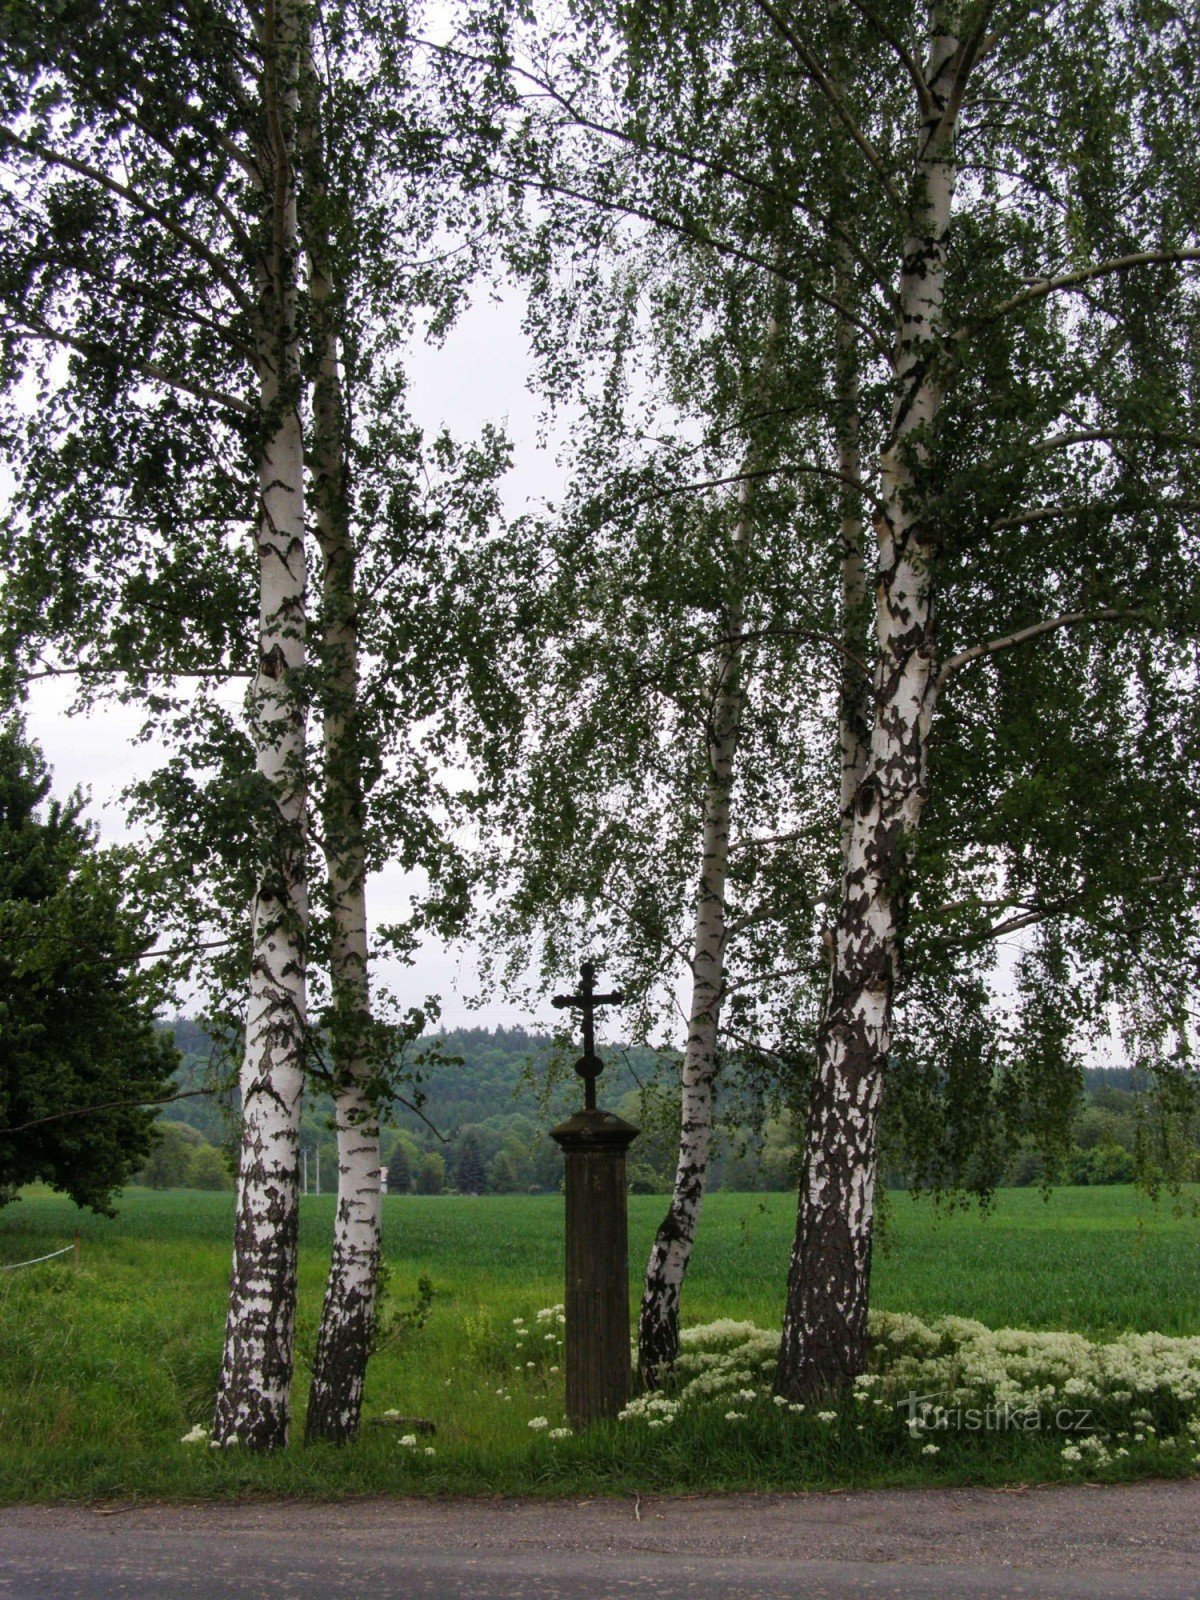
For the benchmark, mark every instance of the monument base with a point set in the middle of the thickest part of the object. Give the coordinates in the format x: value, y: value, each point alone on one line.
x: 597, y: 1288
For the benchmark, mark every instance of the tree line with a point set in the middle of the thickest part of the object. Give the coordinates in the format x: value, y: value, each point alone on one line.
x: 845, y: 697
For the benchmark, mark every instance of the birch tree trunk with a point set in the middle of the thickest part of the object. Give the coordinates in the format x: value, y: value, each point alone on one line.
x: 854, y: 719
x: 825, y: 1323
x: 347, y: 1314
x: 254, y: 1393
x: 658, y: 1321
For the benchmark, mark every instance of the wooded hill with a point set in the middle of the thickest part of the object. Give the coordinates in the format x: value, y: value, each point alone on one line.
x: 481, y: 1101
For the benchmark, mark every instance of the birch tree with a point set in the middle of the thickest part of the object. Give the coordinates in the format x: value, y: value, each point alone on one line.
x: 1014, y: 421
x: 376, y: 197
x: 365, y: 197
x: 967, y: 61
x: 254, y: 1392
x: 665, y: 713
x: 174, y: 145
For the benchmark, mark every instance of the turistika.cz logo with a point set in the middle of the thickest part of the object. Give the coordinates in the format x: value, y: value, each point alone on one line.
x: 925, y: 1415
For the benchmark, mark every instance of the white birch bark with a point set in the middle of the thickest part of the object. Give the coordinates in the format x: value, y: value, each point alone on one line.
x: 658, y: 1321
x: 854, y: 719
x: 824, y: 1333
x: 253, y: 1399
x: 347, y: 1314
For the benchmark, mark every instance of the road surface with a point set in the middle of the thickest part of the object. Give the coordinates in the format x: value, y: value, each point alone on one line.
x: 1140, y: 1542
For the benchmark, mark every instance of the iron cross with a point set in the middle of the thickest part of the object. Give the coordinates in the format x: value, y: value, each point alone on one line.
x: 589, y: 1066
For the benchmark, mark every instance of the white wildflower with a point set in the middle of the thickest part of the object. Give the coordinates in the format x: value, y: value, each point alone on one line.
x: 538, y: 1423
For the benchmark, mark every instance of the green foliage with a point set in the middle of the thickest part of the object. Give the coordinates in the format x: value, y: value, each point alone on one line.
x: 503, y: 1176
x: 704, y: 171
x: 468, y: 1167
x: 209, y: 1169
x: 170, y: 1159
x: 400, y: 1175
x: 181, y: 1158
x: 80, y: 1054
x: 431, y: 1173
x: 395, y: 1325
x: 136, y: 1335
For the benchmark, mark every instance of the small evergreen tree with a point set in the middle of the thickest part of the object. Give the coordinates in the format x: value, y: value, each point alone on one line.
x: 471, y: 1176
x: 431, y: 1174
x: 503, y: 1177
x: 400, y: 1175
x: 81, y: 1057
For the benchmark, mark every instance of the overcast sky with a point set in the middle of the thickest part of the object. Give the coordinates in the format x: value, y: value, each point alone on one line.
x: 476, y: 377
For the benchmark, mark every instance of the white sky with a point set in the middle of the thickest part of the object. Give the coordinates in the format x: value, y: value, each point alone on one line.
x: 477, y: 376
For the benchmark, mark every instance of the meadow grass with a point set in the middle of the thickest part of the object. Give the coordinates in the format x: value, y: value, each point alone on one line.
x: 103, y: 1368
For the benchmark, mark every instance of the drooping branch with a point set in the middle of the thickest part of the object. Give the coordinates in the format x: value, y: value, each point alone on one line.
x: 1037, y: 630
x: 695, y: 235
x: 1074, y: 280
x: 834, y: 96
x: 105, y: 1105
x: 139, y: 203
x: 805, y: 469
x: 35, y: 327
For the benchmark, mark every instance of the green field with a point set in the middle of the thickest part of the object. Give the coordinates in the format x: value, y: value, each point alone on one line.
x: 103, y: 1368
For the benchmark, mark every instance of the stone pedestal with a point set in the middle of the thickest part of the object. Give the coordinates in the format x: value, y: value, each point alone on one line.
x: 597, y: 1290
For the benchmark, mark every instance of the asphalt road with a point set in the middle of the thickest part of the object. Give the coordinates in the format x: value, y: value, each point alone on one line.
x: 1112, y: 1543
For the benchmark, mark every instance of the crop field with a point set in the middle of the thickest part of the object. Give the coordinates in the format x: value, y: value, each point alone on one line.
x: 105, y: 1365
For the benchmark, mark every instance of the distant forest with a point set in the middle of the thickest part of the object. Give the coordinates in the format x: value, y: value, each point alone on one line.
x: 481, y: 1101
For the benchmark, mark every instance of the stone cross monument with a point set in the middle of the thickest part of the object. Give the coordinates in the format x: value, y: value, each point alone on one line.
x: 597, y: 1291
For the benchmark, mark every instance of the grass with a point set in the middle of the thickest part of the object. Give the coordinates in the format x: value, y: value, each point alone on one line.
x: 102, y: 1369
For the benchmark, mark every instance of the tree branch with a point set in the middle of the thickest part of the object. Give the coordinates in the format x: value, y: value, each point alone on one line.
x: 1073, y: 280
x: 831, y: 92
x: 417, y: 1112
x: 187, y: 949
x: 105, y: 1105
x: 131, y: 197
x: 767, y: 839
x: 905, y: 56
x: 802, y: 470
x: 36, y: 328
x: 1021, y: 519
x: 1027, y: 919
x: 1009, y: 641
x: 968, y: 53
x: 220, y: 674
x: 700, y: 236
